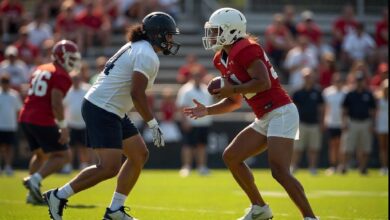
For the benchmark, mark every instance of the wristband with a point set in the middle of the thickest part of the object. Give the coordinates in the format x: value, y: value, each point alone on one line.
x: 62, y: 124
x: 152, y: 123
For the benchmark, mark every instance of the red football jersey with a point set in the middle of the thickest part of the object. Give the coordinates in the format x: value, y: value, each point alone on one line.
x: 37, y: 107
x: 242, y: 54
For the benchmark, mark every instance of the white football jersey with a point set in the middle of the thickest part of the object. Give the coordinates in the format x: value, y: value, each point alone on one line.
x: 111, y: 91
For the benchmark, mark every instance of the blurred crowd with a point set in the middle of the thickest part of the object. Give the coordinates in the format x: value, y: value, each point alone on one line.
x: 328, y: 79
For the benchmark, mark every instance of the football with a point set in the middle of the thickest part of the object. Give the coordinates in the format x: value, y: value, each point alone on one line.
x: 215, y: 83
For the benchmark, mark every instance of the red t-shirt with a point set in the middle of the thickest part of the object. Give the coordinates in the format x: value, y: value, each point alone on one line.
x: 66, y: 25
x: 280, y: 34
x: 37, y: 107
x: 380, y: 27
x: 94, y: 20
x: 314, y: 34
x: 13, y: 10
x: 168, y: 109
x: 27, y: 51
x: 344, y: 26
x: 242, y: 54
x: 325, y: 76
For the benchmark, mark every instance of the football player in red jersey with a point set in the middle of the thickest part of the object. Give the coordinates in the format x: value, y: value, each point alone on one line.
x: 42, y: 116
x: 244, y: 64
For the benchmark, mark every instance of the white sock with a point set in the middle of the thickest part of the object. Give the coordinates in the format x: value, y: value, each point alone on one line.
x: 118, y: 200
x: 65, y: 192
x: 37, y: 177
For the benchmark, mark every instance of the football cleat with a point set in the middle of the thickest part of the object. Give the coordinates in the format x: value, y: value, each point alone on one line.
x: 258, y: 213
x: 55, y: 204
x: 119, y: 214
x: 34, y: 188
x: 31, y: 200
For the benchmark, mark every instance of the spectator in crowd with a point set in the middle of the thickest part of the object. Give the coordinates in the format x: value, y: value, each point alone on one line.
x: 345, y: 24
x: 67, y: 26
x: 84, y: 72
x: 309, y: 28
x: 111, y: 9
x: 334, y: 96
x: 168, y: 109
x: 310, y: 104
x: 2, y: 50
x: 46, y: 49
x: 358, y: 117
x: 27, y: 52
x: 10, y: 105
x: 359, y: 67
x: 278, y: 40
x: 38, y: 31
x: 184, y: 73
x: 11, y: 17
x: 358, y: 45
x: 382, y: 127
x: 100, y: 63
x: 382, y: 36
x: 300, y: 57
x: 95, y: 25
x: 194, y: 131
x: 382, y: 73
x: 170, y: 6
x: 289, y: 19
x: 15, y: 67
x: 326, y: 69
x: 72, y: 103
x: 132, y: 9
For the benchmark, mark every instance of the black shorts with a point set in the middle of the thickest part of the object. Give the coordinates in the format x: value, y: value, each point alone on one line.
x: 197, y: 135
x: 77, y: 137
x: 45, y: 137
x: 105, y: 129
x: 334, y: 132
x: 7, y: 137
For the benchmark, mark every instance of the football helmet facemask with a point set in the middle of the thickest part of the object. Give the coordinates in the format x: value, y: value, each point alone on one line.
x: 66, y: 54
x: 224, y: 27
x: 158, y: 26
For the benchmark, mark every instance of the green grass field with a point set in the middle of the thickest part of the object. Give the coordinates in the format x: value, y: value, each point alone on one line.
x: 163, y: 195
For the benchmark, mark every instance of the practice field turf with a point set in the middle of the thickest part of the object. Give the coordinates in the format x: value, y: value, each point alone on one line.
x: 163, y: 195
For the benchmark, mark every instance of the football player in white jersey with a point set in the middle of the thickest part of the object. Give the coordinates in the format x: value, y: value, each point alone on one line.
x: 120, y: 87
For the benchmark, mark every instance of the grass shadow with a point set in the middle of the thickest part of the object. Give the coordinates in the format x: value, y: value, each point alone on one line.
x: 80, y: 206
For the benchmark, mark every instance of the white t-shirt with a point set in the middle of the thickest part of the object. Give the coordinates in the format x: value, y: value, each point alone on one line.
x: 333, y: 106
x: 297, y: 57
x: 10, y: 104
x: 187, y: 93
x: 382, y: 118
x: 73, y: 101
x: 111, y: 91
x: 358, y: 47
x: 36, y: 35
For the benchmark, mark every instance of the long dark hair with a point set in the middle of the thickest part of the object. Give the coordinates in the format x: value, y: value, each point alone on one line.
x: 136, y: 33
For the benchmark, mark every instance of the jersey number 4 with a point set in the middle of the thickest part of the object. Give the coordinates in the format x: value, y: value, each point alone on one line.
x: 110, y: 63
x: 39, y: 83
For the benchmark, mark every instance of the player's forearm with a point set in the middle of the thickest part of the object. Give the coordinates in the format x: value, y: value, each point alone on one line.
x: 252, y: 86
x: 224, y: 106
x: 141, y: 105
x: 58, y: 111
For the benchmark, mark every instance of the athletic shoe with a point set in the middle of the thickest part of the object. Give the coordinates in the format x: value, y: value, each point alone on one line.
x: 184, y: 172
x: 34, y: 188
x: 119, y: 214
x: 8, y: 171
x: 203, y: 171
x: 55, y: 204
x: 309, y: 218
x: 31, y: 200
x: 258, y: 213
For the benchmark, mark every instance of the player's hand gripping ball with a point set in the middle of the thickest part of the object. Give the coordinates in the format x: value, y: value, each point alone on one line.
x: 215, y: 83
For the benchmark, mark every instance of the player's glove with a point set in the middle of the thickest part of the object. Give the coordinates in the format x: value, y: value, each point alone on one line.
x: 158, y: 138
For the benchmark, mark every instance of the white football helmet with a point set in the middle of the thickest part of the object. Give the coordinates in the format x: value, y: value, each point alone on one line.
x: 225, y: 26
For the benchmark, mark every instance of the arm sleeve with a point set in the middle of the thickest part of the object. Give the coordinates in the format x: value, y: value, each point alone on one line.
x: 145, y: 64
